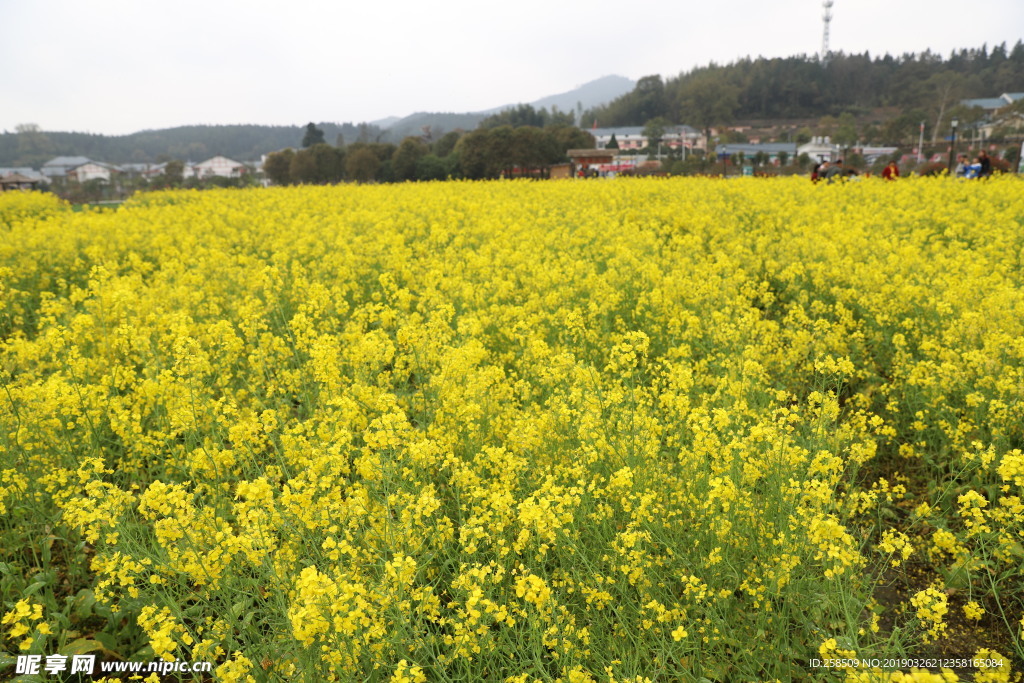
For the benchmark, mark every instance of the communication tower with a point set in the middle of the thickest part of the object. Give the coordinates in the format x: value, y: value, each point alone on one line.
x: 824, y: 36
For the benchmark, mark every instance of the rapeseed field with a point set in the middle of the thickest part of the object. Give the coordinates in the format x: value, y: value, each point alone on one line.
x: 631, y: 430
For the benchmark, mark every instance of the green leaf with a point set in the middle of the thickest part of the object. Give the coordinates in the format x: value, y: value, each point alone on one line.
x: 84, y: 602
x: 239, y: 608
x: 82, y: 646
x: 34, y: 588
x: 144, y: 653
x: 109, y: 643
x: 957, y: 578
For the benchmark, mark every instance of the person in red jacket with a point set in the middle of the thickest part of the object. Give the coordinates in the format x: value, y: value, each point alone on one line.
x: 891, y: 172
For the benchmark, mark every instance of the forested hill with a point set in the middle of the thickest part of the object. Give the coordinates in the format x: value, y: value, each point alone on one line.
x: 195, y: 143
x: 804, y: 87
x: 31, y: 147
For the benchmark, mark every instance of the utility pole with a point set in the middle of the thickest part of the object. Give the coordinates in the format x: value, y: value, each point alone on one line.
x: 952, y: 143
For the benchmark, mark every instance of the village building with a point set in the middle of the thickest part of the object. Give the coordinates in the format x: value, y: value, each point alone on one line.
x: 30, y: 173
x: 92, y: 170
x: 633, y: 138
x: 58, y: 167
x: 819, y: 149
x: 215, y: 166
x: 78, y: 169
x: 17, y: 181
x: 873, y: 154
x: 772, y: 151
x: 991, y: 104
x: 993, y: 119
x: 143, y: 170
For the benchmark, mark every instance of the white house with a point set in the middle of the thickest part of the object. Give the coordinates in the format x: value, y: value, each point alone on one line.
x: 58, y: 167
x: 217, y: 166
x: 632, y: 137
x: 819, y: 149
x: 78, y: 169
x: 92, y: 170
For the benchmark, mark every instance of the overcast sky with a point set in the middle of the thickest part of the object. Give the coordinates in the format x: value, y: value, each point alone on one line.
x: 119, y: 66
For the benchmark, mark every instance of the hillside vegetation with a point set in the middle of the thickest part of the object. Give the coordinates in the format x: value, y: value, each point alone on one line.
x: 912, y: 87
x: 900, y: 90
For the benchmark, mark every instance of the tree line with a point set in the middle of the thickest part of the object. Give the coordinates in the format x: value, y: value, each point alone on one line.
x: 491, y: 151
x: 914, y: 87
x: 30, y: 146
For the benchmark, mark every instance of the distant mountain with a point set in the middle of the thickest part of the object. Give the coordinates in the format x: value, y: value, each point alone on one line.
x: 437, y: 123
x: 386, y: 122
x: 249, y: 142
x: 590, y: 95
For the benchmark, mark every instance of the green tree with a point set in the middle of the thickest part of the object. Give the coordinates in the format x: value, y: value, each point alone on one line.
x: 904, y: 129
x: 1012, y: 156
x: 560, y: 118
x: 406, y: 157
x: 174, y: 172
x: 654, y: 131
x: 172, y: 175
x: 570, y: 137
x: 479, y: 154
x: 433, y: 167
x: 612, y: 143
x: 533, y: 149
x: 827, y: 126
x: 277, y: 166
x: 650, y: 98
x: 313, y: 136
x: 303, y: 168
x: 330, y: 163
x: 526, y: 115
x: 845, y: 130
x: 499, y: 151
x: 35, y: 147
x: 945, y: 90
x: 732, y: 136
x: 520, y: 115
x: 707, y: 101
x: 362, y: 164
x: 446, y: 143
